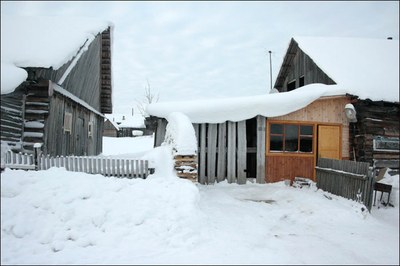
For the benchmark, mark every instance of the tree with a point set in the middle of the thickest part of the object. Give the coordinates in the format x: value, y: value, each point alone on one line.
x: 149, y: 97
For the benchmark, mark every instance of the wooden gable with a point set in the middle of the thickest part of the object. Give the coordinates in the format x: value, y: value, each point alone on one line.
x: 299, y: 69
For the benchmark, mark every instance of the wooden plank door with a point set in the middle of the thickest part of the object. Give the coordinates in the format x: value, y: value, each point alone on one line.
x: 329, y: 142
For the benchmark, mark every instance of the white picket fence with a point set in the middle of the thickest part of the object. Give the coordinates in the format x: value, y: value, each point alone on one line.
x: 118, y: 167
x: 19, y: 161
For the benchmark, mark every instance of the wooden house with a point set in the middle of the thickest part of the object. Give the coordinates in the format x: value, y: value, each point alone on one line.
x: 281, y: 135
x: 370, y: 70
x: 61, y: 101
x: 110, y: 128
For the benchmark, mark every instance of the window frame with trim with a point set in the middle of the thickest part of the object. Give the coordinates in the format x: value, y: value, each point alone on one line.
x: 301, y: 138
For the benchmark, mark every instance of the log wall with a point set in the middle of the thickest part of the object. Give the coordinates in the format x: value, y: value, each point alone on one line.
x: 375, y: 120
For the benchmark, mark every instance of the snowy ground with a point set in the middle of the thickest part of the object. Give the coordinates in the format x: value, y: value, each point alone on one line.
x: 60, y: 217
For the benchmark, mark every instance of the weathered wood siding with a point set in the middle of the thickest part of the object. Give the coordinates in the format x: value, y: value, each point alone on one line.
x: 90, y: 78
x: 298, y: 64
x: 222, y: 150
x: 375, y: 119
x: 84, y: 79
x: 27, y: 117
x: 160, y: 131
x: 77, y: 142
x: 109, y: 130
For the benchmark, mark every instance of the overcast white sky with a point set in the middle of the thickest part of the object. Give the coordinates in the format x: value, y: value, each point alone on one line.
x: 193, y: 50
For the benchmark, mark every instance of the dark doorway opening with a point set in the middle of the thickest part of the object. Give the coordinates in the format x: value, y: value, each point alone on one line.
x: 251, y: 139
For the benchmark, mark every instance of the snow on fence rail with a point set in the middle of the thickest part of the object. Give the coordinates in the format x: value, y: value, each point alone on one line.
x: 352, y: 180
x: 130, y: 168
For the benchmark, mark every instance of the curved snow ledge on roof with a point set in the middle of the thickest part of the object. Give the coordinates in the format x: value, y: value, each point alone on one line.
x: 42, y: 42
x: 11, y: 77
x: 180, y: 134
x: 242, y: 108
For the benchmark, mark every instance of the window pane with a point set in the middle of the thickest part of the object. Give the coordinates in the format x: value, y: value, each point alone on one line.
x: 306, y: 144
x: 291, y: 137
x: 306, y: 130
x: 276, y: 143
x: 291, y: 86
x: 276, y: 129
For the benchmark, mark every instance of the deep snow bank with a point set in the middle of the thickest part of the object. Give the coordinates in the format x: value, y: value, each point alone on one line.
x: 55, y: 210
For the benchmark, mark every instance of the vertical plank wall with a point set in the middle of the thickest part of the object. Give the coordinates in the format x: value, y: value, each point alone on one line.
x: 222, y: 150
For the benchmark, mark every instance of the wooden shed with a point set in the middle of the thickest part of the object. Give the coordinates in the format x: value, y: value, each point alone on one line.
x: 60, y: 107
x: 110, y: 128
x: 279, y: 136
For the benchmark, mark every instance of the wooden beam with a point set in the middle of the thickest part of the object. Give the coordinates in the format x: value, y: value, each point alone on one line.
x: 241, y: 152
x: 231, y: 168
x: 260, y: 175
x: 221, y: 166
x: 202, y: 164
x: 211, y: 152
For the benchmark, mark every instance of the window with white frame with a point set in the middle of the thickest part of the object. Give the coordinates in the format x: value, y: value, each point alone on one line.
x: 67, y: 122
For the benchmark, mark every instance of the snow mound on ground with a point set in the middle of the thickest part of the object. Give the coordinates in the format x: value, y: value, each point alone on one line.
x: 75, y: 212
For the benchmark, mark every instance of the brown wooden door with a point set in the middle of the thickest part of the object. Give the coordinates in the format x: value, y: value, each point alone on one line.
x: 329, y: 142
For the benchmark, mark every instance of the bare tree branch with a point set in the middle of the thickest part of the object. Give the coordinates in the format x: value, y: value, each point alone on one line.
x: 149, y: 97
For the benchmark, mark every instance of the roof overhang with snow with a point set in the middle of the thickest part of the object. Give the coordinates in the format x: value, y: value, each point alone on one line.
x: 47, y: 42
x: 243, y: 108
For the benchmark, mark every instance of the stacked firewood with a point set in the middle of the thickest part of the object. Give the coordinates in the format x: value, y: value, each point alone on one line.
x: 186, y: 166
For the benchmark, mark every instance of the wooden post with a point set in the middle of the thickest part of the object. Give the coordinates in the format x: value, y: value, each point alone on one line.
x: 221, y: 166
x: 211, y: 152
x: 38, y: 152
x: 231, y: 154
x: 260, y: 175
x: 202, y: 164
x: 241, y: 152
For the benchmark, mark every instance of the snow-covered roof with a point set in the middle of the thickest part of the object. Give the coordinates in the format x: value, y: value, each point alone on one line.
x: 42, y: 42
x: 242, y: 108
x: 112, y: 123
x: 127, y: 121
x: 368, y: 68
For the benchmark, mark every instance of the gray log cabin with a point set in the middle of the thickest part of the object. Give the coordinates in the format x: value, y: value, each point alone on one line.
x: 63, y: 109
x: 271, y: 148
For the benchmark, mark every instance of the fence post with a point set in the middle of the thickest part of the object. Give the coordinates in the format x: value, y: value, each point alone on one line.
x: 37, y: 147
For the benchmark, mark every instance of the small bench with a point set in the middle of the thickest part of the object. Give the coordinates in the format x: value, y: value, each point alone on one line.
x: 383, y: 188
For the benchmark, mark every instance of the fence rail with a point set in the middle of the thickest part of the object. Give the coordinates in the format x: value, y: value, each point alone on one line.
x: 118, y: 167
x: 352, y: 180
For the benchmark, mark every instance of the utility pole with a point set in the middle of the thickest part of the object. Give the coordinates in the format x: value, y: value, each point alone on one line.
x: 270, y: 70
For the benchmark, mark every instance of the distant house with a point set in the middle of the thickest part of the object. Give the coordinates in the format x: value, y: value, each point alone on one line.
x: 56, y: 84
x: 321, y: 84
x: 124, y: 125
x: 110, y: 128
